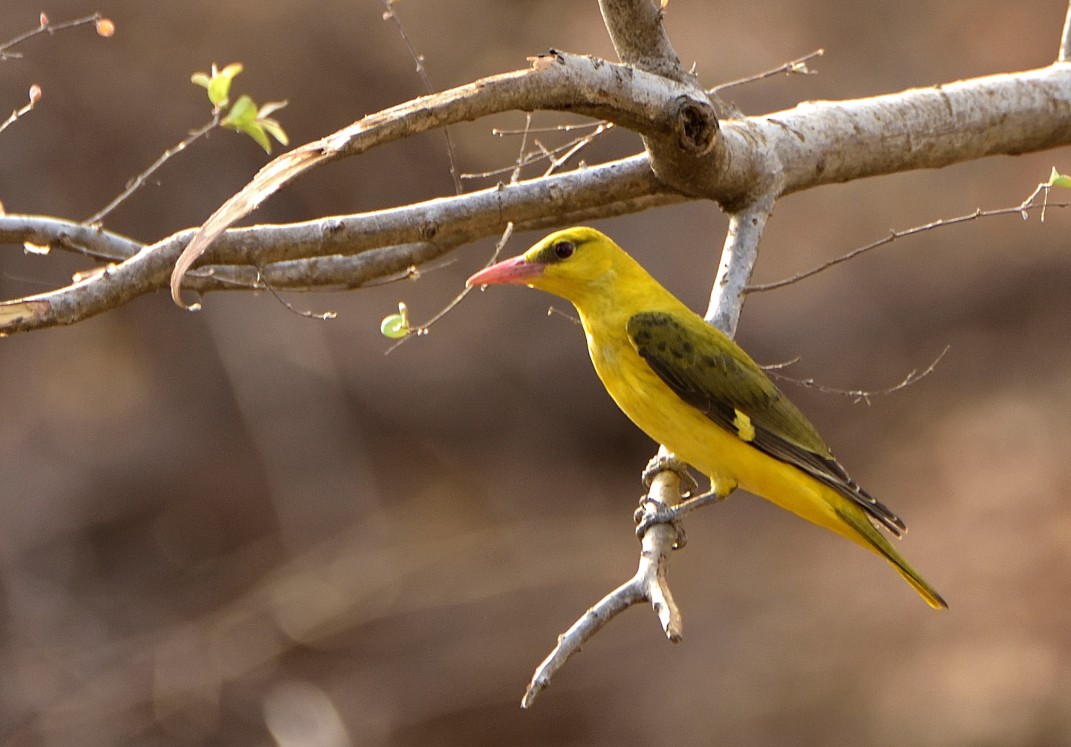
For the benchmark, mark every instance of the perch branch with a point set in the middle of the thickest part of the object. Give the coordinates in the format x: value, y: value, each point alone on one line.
x: 648, y: 585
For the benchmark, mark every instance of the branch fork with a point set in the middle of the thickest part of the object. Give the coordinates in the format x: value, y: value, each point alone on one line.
x: 649, y: 584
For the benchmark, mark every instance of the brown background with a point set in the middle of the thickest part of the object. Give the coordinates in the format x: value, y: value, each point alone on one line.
x: 219, y: 527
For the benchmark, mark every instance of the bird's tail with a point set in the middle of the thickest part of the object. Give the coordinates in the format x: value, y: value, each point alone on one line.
x: 867, y: 535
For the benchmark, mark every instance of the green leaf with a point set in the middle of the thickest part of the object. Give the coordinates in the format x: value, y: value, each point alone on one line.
x: 242, y: 114
x: 230, y: 71
x: 1057, y: 179
x: 270, y: 108
x: 218, y: 83
x: 274, y: 129
x: 245, y: 117
x: 255, y: 131
x: 396, y: 326
x: 219, y: 90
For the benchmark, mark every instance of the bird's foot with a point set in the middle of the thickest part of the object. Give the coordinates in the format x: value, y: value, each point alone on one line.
x: 652, y: 511
x: 663, y: 463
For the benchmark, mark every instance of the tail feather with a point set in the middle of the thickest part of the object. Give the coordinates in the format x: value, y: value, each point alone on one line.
x: 867, y: 535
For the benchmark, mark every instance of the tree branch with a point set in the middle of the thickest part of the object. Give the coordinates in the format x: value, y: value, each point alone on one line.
x: 648, y: 585
x: 402, y: 236
x: 737, y: 263
x: 586, y: 85
x: 815, y: 143
x: 640, y: 39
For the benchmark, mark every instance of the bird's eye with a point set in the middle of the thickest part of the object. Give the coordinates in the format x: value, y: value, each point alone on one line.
x: 564, y: 249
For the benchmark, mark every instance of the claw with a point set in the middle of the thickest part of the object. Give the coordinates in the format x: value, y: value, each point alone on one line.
x: 653, y: 511
x: 662, y: 463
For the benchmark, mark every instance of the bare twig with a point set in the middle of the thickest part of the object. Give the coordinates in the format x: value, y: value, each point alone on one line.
x: 648, y: 585
x: 557, y: 156
x: 1065, y: 38
x: 418, y: 60
x: 1021, y: 210
x: 34, y: 97
x: 859, y: 395
x: 138, y: 181
x: 422, y: 329
x: 797, y: 66
x: 45, y: 27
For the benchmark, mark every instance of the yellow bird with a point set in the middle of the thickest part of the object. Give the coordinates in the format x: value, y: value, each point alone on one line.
x: 691, y: 388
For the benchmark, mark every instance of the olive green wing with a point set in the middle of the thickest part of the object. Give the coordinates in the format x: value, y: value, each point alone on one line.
x: 712, y: 374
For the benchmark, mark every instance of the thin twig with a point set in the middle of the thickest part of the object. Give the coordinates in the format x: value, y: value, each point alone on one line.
x: 1065, y: 38
x: 858, y: 395
x: 46, y: 27
x: 580, y: 143
x: 548, y: 129
x: 894, y: 235
x: 322, y: 316
x: 35, y: 96
x: 138, y: 181
x: 423, y: 328
x: 797, y: 66
x: 547, y: 154
x: 391, y: 15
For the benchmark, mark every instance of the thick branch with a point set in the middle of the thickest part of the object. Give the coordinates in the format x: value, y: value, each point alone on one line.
x: 815, y: 143
x: 629, y: 97
x: 636, y: 29
x: 825, y: 142
x: 62, y: 234
x: 287, y: 255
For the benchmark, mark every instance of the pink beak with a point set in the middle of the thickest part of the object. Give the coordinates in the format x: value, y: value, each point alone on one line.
x: 515, y: 271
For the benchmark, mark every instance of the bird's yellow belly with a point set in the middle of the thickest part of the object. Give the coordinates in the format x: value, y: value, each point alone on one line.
x: 719, y: 454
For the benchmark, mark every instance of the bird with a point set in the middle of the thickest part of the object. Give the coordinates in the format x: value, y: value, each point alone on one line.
x: 691, y: 388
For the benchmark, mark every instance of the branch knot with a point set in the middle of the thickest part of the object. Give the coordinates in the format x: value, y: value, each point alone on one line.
x: 696, y: 124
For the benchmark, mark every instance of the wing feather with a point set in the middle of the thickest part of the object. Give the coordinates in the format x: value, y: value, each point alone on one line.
x: 712, y: 374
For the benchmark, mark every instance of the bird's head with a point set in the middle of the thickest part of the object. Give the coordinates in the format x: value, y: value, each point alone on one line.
x: 571, y: 263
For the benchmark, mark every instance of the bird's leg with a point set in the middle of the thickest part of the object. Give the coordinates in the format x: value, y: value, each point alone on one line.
x: 653, y: 511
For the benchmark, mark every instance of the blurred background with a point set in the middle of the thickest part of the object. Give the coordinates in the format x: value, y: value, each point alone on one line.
x: 248, y: 527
